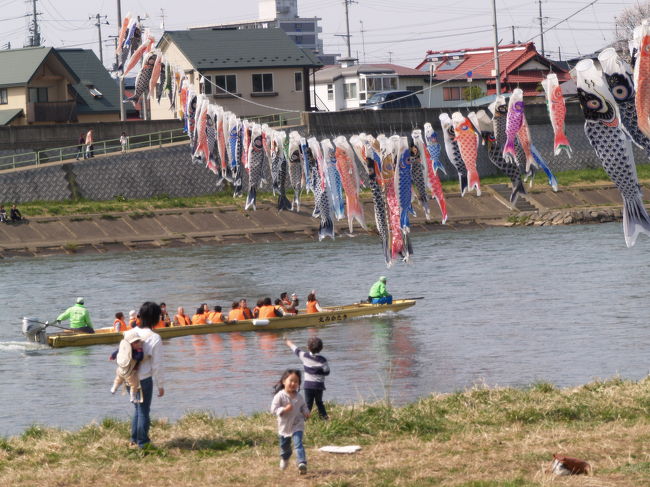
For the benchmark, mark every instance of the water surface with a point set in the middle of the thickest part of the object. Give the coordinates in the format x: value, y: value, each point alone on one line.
x: 503, y: 306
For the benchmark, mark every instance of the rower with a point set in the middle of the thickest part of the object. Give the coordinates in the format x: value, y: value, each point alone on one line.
x: 267, y: 310
x: 215, y: 316
x: 199, y: 318
x: 290, y: 305
x: 313, y: 305
x: 181, y: 319
x: 119, y: 325
x: 378, y: 293
x: 236, y: 313
x: 243, y: 306
x: 78, y: 316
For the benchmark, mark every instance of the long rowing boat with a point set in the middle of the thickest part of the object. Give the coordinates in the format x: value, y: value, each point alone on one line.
x: 330, y: 315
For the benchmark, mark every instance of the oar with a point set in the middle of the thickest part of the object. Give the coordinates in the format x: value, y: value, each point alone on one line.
x: 50, y: 324
x: 413, y: 299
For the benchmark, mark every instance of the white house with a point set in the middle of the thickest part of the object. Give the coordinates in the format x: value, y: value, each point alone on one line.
x: 345, y: 86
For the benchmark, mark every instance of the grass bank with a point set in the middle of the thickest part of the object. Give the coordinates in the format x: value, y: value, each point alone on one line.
x: 477, y: 438
x: 224, y: 198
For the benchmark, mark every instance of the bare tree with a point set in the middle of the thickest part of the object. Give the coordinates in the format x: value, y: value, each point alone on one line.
x: 630, y: 18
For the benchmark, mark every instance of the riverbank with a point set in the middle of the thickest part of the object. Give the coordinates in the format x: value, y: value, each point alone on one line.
x: 479, y: 438
x: 99, y: 227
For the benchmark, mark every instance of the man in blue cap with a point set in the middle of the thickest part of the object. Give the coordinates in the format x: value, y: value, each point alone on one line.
x: 378, y: 293
x: 78, y: 316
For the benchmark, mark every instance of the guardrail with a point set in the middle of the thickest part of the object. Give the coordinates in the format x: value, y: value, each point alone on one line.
x: 36, y: 158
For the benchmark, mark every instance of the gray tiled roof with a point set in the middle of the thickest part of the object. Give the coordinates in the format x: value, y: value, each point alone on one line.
x: 8, y: 115
x: 91, y: 72
x: 245, y: 48
x: 19, y: 65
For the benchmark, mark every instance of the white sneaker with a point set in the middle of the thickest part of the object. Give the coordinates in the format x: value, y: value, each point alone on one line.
x: 283, y: 464
x: 302, y: 468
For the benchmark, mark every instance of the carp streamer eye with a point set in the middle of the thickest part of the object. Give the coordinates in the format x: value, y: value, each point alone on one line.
x: 646, y: 48
x: 594, y: 104
x: 620, y: 92
x: 519, y: 106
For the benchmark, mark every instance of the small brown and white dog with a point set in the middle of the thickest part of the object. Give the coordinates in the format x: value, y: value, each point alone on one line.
x: 569, y: 466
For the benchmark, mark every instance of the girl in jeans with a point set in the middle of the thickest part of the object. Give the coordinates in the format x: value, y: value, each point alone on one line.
x: 291, y: 411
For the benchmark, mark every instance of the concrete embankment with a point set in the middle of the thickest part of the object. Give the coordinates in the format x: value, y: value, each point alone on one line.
x: 99, y: 233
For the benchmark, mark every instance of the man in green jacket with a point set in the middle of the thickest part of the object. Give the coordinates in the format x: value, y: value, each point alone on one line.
x: 378, y: 293
x: 78, y: 316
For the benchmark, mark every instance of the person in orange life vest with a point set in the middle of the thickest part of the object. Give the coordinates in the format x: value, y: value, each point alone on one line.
x: 279, y: 307
x: 161, y: 322
x: 312, y: 303
x: 199, y: 318
x: 290, y: 305
x: 181, y: 319
x: 119, y: 325
x: 164, y: 315
x: 243, y: 306
x: 215, y: 316
x: 256, y: 309
x: 236, y: 314
x: 134, y: 321
x: 206, y: 309
x: 267, y: 310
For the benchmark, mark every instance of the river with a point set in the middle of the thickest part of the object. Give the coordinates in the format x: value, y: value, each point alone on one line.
x: 502, y: 306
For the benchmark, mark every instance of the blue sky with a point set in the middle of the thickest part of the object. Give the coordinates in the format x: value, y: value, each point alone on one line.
x: 399, y: 31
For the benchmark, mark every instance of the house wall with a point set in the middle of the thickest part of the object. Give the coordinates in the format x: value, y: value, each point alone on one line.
x: 287, y: 98
x: 437, y: 99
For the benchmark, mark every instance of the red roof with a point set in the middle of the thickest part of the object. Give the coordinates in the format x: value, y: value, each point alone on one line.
x: 403, y: 70
x: 480, y: 62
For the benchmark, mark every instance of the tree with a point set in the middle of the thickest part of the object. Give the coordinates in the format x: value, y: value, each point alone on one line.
x: 472, y: 93
x: 630, y: 18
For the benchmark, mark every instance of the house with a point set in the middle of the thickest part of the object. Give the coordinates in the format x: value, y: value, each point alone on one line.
x: 458, y: 76
x: 256, y: 72
x: 283, y: 14
x: 97, y: 94
x: 345, y: 86
x: 48, y: 85
x: 34, y: 87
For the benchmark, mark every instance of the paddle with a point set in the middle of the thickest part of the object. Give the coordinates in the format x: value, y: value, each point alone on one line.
x: 413, y: 299
x: 47, y: 324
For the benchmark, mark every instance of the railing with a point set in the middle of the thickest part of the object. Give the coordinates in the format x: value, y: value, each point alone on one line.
x: 155, y: 139
x: 277, y: 119
x: 52, y: 111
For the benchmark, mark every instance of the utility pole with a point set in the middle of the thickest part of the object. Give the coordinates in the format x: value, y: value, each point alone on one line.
x: 559, y: 52
x: 98, y: 24
x: 347, y: 24
x: 541, y: 27
x: 497, y: 70
x: 162, y: 17
x: 120, y: 79
x: 35, y: 38
x: 363, y: 41
x: 390, y: 56
x: 513, y: 35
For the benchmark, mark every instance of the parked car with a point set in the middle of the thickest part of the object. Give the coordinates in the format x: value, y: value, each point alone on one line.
x: 392, y: 99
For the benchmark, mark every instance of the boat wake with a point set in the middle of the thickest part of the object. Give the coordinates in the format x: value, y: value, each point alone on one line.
x: 21, y: 346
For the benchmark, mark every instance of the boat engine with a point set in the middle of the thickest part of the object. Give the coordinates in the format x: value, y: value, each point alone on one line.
x: 34, y: 330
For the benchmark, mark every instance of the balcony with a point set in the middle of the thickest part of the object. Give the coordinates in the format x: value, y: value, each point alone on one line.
x: 52, y: 111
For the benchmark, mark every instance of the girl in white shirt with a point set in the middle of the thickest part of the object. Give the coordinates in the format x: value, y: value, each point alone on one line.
x: 291, y: 411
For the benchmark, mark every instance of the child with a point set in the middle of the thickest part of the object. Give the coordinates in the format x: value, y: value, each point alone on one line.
x: 291, y: 410
x: 3, y: 214
x: 316, y: 368
x: 129, y: 356
x: 123, y: 142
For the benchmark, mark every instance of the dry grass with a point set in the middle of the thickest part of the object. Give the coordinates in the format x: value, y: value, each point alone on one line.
x: 478, y: 438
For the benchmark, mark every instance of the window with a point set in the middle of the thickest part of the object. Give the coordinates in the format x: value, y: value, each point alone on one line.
x: 3, y: 96
x: 225, y: 82
x: 330, y: 92
x: 95, y: 92
x: 453, y: 93
x: 263, y: 83
x: 37, y: 95
x: 350, y: 91
x: 207, y: 85
x: 297, y: 81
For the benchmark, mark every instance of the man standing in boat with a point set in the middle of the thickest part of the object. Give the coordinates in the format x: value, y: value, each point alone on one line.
x: 378, y: 293
x: 78, y: 316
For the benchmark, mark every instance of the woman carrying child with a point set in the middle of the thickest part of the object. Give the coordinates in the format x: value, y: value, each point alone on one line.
x: 291, y: 411
x: 149, y: 371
